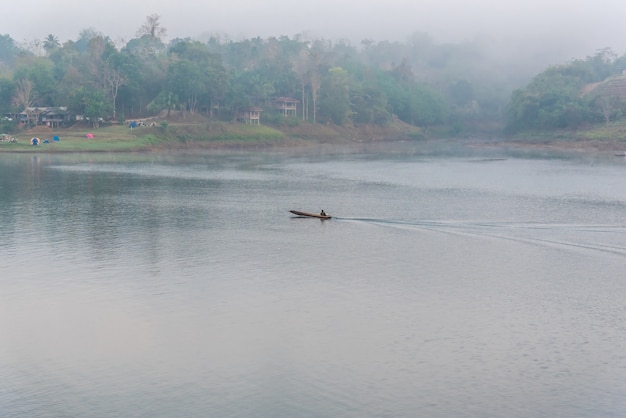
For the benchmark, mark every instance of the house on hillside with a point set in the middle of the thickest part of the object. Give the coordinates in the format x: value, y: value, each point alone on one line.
x: 286, y: 106
x: 250, y: 116
x: 53, y: 117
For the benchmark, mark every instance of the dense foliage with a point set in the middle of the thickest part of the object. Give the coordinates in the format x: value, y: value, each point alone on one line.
x: 418, y: 82
x: 570, y: 96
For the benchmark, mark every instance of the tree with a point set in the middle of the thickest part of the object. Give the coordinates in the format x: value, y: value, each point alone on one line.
x: 113, y: 74
x: 51, y: 43
x: 113, y: 79
x: 40, y: 72
x: 84, y: 38
x: 299, y: 64
x: 427, y: 107
x: 216, y: 83
x: 146, y: 70
x: 335, y: 96
x: 197, y: 76
x: 92, y: 103
x: 8, y: 50
x: 314, y: 76
x: 315, y: 82
x: 546, y: 103
x: 152, y: 28
x: 369, y: 105
x: 7, y: 90
x: 184, y: 80
x: 403, y: 72
x: 23, y: 97
x: 608, y: 107
x: 166, y: 100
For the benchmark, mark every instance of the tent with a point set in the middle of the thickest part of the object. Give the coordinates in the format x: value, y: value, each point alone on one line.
x: 90, y: 136
x: 56, y: 138
x: 34, y: 141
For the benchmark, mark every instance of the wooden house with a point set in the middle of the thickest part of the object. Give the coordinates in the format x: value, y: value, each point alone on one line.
x: 286, y: 106
x: 250, y: 116
x: 53, y: 117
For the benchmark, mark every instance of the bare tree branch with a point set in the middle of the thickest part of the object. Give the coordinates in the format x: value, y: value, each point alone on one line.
x: 152, y: 27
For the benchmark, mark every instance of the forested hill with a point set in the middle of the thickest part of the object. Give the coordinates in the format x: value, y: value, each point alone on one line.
x: 419, y: 82
x: 579, y: 94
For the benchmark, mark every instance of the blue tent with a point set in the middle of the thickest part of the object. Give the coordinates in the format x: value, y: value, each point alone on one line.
x: 34, y: 141
x: 56, y: 138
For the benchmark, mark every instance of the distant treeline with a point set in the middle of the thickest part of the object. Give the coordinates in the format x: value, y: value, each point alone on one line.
x: 569, y: 96
x: 418, y: 81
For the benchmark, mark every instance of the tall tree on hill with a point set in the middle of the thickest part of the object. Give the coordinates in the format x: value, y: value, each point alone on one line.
x: 116, y: 68
x: 93, y: 103
x: 7, y: 89
x: 40, y: 72
x: 335, y: 96
x: 184, y: 79
x: 369, y: 105
x: 24, y: 97
x: 608, y: 107
x: 192, y: 58
x: 299, y: 65
x: 314, y: 76
x: 8, y: 50
x: 113, y: 78
x: 152, y: 27
x: 51, y: 43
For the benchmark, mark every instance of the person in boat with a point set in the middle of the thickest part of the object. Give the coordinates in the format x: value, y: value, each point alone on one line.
x: 322, y: 213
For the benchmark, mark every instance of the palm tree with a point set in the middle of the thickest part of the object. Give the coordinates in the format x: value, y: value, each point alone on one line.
x: 51, y: 43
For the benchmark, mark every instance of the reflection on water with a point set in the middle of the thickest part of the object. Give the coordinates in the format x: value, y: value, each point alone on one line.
x: 179, y: 285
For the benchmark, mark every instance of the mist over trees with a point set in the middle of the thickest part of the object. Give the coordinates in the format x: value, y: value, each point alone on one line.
x: 572, y: 95
x: 418, y: 81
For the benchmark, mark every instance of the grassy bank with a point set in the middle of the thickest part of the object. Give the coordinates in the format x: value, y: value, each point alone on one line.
x: 111, y: 138
x: 605, y: 138
x: 117, y: 138
x: 198, y: 133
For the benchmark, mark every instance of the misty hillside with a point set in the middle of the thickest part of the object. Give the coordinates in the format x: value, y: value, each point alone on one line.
x: 464, y: 87
x: 571, y: 96
x: 612, y: 87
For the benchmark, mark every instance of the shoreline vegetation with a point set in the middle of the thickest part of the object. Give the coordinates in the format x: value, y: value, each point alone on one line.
x: 302, y: 90
x: 197, y: 132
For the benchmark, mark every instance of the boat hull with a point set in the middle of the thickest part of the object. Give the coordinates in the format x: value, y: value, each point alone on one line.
x: 310, y: 215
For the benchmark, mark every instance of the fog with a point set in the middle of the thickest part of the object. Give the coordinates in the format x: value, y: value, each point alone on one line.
x: 550, y: 31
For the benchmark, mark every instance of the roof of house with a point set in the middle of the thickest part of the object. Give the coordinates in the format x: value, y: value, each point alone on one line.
x: 47, y: 110
x: 286, y: 99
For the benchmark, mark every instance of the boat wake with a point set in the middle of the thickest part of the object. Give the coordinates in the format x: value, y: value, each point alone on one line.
x: 603, y: 238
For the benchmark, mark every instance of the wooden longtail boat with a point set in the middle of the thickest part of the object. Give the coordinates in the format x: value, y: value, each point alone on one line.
x: 310, y: 215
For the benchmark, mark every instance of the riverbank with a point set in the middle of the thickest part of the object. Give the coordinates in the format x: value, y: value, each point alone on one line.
x: 594, y: 138
x: 197, y: 132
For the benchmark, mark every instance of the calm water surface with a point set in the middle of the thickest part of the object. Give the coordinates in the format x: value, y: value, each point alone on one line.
x: 480, y: 284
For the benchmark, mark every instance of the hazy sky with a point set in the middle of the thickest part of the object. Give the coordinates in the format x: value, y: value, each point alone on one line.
x: 585, y: 25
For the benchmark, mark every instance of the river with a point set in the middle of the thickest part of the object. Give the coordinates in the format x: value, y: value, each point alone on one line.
x: 450, y: 282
